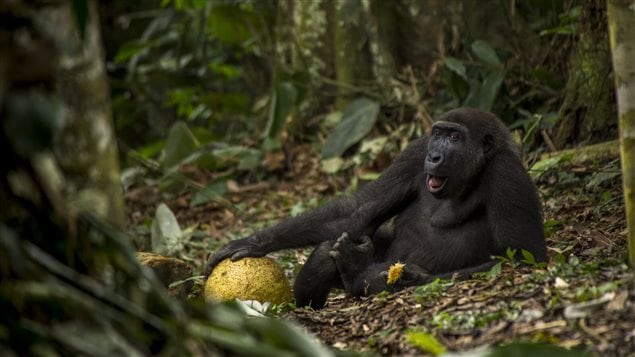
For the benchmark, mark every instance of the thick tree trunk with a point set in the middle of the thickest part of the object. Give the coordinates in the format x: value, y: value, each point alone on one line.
x: 621, y: 15
x: 86, y: 149
x: 588, y: 111
x: 353, y: 57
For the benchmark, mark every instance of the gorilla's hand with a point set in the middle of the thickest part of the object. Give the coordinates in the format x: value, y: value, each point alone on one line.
x: 412, y: 275
x: 236, y: 249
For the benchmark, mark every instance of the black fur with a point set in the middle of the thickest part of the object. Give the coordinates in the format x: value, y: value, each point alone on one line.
x: 481, y: 202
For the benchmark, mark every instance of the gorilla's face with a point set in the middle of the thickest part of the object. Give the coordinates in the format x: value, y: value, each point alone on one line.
x: 453, y: 159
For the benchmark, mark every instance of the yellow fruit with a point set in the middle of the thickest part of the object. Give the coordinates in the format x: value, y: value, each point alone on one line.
x: 259, y: 279
x: 394, y: 273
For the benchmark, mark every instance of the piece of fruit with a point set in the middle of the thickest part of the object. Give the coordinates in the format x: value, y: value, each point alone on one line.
x: 394, y: 273
x: 259, y: 279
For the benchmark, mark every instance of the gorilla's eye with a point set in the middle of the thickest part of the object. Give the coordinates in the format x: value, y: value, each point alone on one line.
x: 455, y: 136
x: 436, y: 134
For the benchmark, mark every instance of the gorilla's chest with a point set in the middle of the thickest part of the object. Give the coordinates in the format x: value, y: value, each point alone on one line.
x: 464, y: 237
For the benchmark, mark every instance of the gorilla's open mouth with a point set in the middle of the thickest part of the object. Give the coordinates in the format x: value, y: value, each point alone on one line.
x: 435, y: 183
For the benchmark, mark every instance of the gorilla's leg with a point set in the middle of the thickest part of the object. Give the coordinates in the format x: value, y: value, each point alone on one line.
x: 316, y: 278
x: 352, y: 256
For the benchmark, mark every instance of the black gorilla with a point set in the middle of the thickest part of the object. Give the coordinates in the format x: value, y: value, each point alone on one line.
x: 458, y: 197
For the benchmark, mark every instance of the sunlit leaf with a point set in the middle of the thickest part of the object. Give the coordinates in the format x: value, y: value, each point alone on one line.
x: 358, y: 119
x: 425, y: 342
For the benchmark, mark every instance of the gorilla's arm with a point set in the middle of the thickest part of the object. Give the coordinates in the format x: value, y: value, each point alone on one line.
x: 514, y: 208
x: 359, y: 215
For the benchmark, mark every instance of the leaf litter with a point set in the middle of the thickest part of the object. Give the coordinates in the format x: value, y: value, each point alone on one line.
x: 583, y: 299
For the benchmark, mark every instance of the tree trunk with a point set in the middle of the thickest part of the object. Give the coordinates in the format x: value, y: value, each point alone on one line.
x: 621, y: 16
x: 86, y: 149
x: 588, y: 111
x: 353, y: 57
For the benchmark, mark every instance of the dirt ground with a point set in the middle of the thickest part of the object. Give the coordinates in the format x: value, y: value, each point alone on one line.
x: 584, y: 298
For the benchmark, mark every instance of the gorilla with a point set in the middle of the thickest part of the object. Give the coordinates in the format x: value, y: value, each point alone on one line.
x: 448, y: 204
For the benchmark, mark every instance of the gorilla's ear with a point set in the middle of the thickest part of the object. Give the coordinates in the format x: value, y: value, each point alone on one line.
x: 488, y: 142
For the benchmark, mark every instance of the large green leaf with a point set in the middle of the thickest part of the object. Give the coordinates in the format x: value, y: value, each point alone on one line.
x: 179, y: 144
x: 358, y: 119
x: 166, y: 232
x: 288, y: 337
x: 485, y: 52
x: 282, y: 102
x: 482, y: 94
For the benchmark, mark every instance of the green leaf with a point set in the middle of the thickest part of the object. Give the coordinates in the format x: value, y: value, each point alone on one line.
x: 456, y: 66
x: 528, y: 258
x: 226, y: 70
x: 601, y: 177
x: 230, y: 24
x: 281, y: 334
x: 179, y: 144
x: 425, y: 342
x: 358, y: 119
x: 568, y: 23
x: 282, y: 102
x: 547, y: 164
x: 166, y: 232
x: 212, y: 192
x: 493, y: 273
x: 496, y: 270
x: 247, y: 158
x: 486, y: 53
x: 130, y: 49
x: 482, y: 94
x: 511, y: 253
x: 551, y: 225
x: 568, y: 29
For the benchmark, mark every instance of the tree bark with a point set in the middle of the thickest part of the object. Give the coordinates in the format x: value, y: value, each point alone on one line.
x: 621, y: 16
x: 588, y: 111
x: 353, y: 57
x: 86, y: 148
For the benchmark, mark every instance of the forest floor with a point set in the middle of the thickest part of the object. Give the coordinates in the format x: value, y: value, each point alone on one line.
x: 583, y: 299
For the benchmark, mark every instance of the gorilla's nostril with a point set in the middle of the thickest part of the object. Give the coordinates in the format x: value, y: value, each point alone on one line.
x: 434, y: 158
